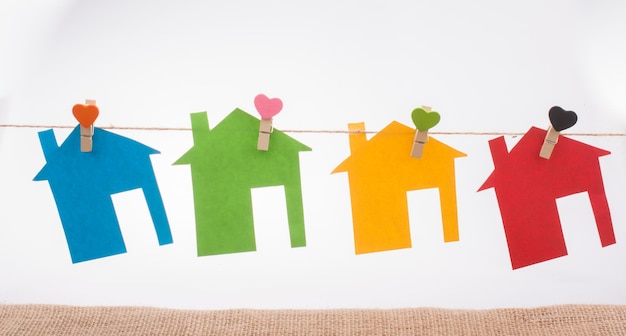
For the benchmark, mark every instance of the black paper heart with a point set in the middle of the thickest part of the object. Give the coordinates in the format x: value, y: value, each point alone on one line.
x: 561, y: 119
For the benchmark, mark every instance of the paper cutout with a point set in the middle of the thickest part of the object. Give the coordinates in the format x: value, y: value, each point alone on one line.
x: 225, y: 165
x: 85, y: 114
x: 527, y: 187
x: 267, y: 107
x: 561, y: 119
x: 381, y: 171
x: 82, y: 184
x: 425, y: 120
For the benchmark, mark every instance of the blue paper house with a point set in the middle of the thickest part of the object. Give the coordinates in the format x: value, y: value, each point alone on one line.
x: 82, y: 185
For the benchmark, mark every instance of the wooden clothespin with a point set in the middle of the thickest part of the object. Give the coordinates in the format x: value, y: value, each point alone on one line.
x: 552, y: 137
x: 424, y: 119
x: 86, y: 115
x: 264, y: 134
x: 559, y: 120
x: 267, y: 108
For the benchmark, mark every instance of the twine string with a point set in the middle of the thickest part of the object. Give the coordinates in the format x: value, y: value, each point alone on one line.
x: 318, y: 131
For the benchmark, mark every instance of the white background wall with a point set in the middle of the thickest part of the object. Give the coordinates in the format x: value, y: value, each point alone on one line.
x: 485, y: 65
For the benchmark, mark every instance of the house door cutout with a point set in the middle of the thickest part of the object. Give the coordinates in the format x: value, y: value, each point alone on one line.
x: 135, y: 221
x: 271, y: 228
x: 578, y: 225
x: 425, y: 218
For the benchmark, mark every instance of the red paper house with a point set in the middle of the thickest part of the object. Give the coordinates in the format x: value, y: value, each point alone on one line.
x: 527, y: 187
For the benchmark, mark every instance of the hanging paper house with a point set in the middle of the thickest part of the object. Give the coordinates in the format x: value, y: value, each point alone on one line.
x: 82, y: 185
x: 225, y: 165
x: 527, y: 187
x: 381, y: 171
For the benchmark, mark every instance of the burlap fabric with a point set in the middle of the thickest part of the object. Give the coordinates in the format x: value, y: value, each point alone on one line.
x: 69, y: 320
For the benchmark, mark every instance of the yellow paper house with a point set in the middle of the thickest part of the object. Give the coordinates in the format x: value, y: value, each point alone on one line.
x: 381, y: 171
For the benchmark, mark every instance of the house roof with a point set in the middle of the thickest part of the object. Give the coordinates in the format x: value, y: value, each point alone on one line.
x: 392, y: 144
x: 110, y: 152
x: 238, y: 131
x: 568, y: 154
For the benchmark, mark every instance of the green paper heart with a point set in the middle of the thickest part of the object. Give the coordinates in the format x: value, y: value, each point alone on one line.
x: 424, y: 120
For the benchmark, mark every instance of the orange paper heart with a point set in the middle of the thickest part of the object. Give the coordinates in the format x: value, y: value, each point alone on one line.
x: 85, y: 114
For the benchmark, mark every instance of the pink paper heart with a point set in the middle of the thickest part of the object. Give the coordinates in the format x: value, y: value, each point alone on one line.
x: 267, y: 107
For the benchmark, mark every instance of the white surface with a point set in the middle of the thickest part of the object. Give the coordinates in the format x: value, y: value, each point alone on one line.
x: 484, y: 65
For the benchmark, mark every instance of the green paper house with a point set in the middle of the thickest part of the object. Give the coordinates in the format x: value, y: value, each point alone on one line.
x: 225, y: 166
